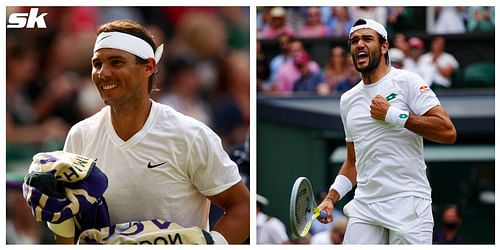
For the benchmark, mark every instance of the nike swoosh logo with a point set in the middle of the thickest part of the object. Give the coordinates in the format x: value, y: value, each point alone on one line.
x: 105, y: 36
x: 155, y: 165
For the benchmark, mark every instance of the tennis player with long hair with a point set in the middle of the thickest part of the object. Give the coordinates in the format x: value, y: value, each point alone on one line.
x: 386, y: 116
x: 160, y: 164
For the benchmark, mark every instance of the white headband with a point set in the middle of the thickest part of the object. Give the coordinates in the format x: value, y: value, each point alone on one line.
x: 129, y: 43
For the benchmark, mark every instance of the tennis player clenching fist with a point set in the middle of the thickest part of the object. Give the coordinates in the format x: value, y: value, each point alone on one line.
x: 160, y: 163
x: 385, y: 117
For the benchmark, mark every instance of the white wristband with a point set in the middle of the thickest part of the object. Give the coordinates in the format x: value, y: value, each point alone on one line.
x: 396, y: 116
x: 218, y: 238
x: 342, y: 185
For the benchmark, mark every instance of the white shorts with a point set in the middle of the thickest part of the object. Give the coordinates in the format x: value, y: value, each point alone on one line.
x: 405, y: 220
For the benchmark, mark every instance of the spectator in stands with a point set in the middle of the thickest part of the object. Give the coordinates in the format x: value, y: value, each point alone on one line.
x: 400, y: 42
x: 378, y: 14
x: 399, y: 19
x: 353, y: 77
x: 27, y: 132
x: 263, y: 19
x: 270, y: 230
x: 336, y: 68
x: 314, y: 27
x: 278, y: 24
x: 295, y: 17
x: 437, y: 65
x: 412, y: 62
x: 202, y: 35
x: 184, y: 88
x: 333, y: 236
x: 284, y: 57
x: 397, y: 58
x: 449, y: 20
x: 26, y: 123
x: 481, y: 19
x: 450, y: 234
x: 308, y: 81
x: 288, y: 73
x: 231, y: 110
x: 263, y: 71
x: 237, y: 22
x: 340, y: 22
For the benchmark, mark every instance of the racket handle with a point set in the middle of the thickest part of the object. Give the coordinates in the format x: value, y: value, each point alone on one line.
x: 323, y: 214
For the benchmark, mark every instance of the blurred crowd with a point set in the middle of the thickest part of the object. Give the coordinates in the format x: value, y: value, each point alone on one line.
x: 326, y: 21
x: 204, y: 73
x: 294, y: 71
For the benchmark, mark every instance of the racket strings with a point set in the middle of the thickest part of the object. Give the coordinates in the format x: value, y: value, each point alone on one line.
x: 303, y: 208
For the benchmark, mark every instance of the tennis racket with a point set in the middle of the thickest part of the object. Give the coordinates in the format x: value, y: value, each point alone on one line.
x: 303, y: 208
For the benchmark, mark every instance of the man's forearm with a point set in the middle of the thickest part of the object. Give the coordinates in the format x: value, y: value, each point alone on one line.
x: 234, y: 224
x: 348, y: 169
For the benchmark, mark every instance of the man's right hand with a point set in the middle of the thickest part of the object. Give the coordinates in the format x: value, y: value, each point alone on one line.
x: 327, y: 205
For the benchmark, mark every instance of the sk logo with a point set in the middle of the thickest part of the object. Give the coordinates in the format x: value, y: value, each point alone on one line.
x: 27, y: 20
x: 391, y: 96
x: 403, y: 116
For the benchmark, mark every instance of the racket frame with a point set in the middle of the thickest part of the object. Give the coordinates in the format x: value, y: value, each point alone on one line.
x: 313, y: 210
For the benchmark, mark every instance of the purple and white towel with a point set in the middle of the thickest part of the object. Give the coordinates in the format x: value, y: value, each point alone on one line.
x: 61, y: 185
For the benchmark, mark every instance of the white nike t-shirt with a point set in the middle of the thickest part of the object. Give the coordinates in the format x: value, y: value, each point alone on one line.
x: 165, y: 171
x: 389, y: 160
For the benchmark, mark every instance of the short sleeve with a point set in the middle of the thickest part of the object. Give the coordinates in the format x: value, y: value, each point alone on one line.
x: 209, y: 167
x: 343, y: 114
x: 74, y: 141
x: 420, y: 96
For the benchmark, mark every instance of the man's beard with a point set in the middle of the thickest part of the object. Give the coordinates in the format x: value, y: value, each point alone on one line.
x: 373, y: 62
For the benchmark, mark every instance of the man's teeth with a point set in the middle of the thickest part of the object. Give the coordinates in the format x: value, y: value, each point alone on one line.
x: 108, y: 87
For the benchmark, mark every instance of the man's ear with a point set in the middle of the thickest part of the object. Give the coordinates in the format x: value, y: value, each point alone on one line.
x: 150, y: 68
x: 385, y: 47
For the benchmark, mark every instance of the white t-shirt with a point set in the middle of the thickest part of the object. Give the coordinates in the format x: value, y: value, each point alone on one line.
x: 165, y: 171
x: 412, y: 66
x: 389, y: 160
x: 322, y: 238
x: 270, y: 230
x: 430, y: 70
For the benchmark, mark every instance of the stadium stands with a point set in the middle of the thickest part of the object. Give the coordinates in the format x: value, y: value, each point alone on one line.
x: 467, y: 48
x: 480, y: 74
